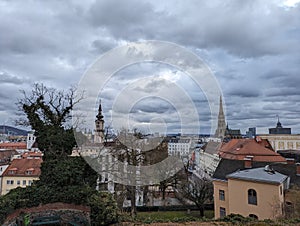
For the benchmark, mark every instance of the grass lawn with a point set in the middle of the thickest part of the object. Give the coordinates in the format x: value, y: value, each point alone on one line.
x: 171, y: 215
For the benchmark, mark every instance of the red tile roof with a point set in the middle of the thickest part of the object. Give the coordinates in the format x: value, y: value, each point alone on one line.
x: 32, y: 154
x: 6, y: 155
x: 239, y: 149
x: 13, y: 145
x: 22, y: 166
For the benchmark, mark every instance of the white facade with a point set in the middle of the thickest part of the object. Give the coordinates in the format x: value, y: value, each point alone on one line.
x: 179, y: 147
x: 208, y: 163
x: 2, y: 169
x: 283, y: 141
x: 30, y: 140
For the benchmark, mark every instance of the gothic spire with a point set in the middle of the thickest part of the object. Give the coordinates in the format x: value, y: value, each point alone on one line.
x: 220, y: 131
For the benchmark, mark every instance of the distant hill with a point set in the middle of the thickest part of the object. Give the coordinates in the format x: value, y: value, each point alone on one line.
x: 12, y: 131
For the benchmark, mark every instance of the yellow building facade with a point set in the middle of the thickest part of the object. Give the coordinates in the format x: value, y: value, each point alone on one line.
x: 255, y: 194
x: 21, y: 173
x: 11, y: 182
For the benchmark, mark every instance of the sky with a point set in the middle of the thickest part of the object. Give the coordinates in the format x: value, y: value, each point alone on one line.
x: 251, y: 47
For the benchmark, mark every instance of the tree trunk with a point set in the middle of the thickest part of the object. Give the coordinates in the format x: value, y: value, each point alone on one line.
x: 132, y: 201
x: 201, y: 209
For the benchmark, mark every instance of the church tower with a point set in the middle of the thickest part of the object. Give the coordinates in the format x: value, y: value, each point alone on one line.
x: 99, y: 123
x: 220, y: 131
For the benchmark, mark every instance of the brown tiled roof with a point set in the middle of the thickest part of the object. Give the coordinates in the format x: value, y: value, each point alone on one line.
x: 239, y: 149
x: 5, y: 155
x: 13, y: 145
x: 21, y: 166
x: 32, y: 154
x: 212, y: 147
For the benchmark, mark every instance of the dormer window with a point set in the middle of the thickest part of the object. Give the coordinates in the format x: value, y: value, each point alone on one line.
x: 29, y: 171
x: 12, y: 171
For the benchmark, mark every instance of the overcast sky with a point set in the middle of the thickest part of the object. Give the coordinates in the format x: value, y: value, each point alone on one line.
x: 252, y: 47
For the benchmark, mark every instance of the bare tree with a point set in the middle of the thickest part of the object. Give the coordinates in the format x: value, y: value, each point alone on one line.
x: 199, y: 191
x: 292, y: 202
x: 48, y: 112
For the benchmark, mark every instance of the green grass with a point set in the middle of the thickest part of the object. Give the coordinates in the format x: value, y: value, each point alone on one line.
x: 172, y: 216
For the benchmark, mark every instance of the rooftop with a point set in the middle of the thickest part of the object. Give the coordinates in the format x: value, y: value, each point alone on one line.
x: 212, y: 147
x: 6, y: 155
x: 22, y: 166
x: 228, y: 166
x: 259, y: 149
x: 259, y: 175
x: 13, y: 145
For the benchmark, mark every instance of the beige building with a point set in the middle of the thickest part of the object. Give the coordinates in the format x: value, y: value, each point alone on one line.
x: 283, y: 141
x: 21, y: 173
x: 209, y: 158
x: 257, y: 193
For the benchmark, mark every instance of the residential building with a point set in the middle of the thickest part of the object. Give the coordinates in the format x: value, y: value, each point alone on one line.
x: 228, y: 179
x: 180, y: 147
x: 209, y: 159
x: 20, y: 173
x: 3, y: 167
x: 256, y: 150
x: 13, y: 145
x: 257, y: 193
x: 293, y: 155
x: 5, y: 158
x: 283, y: 141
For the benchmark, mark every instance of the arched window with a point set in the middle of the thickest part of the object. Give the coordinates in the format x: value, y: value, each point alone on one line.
x: 253, y: 216
x: 252, y: 197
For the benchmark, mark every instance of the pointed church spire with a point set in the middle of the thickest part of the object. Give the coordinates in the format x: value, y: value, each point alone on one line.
x: 99, y: 123
x: 220, y: 131
x: 99, y: 116
x: 278, y: 122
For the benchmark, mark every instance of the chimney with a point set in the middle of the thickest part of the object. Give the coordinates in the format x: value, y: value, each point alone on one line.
x: 290, y: 161
x: 247, y: 162
x: 298, y: 169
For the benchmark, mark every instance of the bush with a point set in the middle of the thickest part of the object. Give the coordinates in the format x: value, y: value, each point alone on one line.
x: 236, y: 218
x: 103, y: 209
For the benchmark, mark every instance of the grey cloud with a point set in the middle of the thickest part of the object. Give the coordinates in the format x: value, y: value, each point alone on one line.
x: 8, y: 78
x: 244, y: 92
x: 153, y: 106
x: 284, y: 92
x: 248, y: 44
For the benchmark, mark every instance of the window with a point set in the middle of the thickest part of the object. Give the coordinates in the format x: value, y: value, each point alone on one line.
x: 29, y: 182
x: 222, y: 212
x: 280, y: 190
x: 252, y: 197
x: 28, y: 172
x: 18, y: 182
x: 11, y: 172
x: 9, y: 182
x: 221, y: 194
x: 24, y: 182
